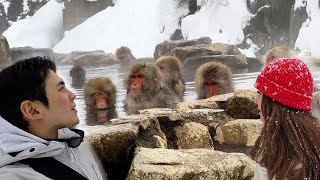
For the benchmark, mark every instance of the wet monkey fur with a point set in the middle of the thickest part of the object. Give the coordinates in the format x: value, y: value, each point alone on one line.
x: 171, y: 74
x: 145, y: 89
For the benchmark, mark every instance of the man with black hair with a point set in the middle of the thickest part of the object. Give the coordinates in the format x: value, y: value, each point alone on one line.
x: 37, y: 116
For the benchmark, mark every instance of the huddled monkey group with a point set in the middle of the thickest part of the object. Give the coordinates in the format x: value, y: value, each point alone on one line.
x: 159, y: 84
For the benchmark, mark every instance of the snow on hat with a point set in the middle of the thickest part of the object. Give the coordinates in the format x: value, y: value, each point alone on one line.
x: 287, y: 81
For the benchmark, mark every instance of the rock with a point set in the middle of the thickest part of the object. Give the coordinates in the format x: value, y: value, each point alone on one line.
x: 88, y: 58
x: 243, y: 105
x: 239, y: 132
x: 164, y: 48
x: 113, y: 145
x: 21, y: 53
x: 193, y: 51
x: 177, y: 35
x: 5, y: 57
x: 167, y: 164
x: 226, y: 49
x: 145, y: 60
x: 150, y: 133
x: 192, y: 135
x: 316, y: 104
x: 215, y: 102
x: 236, y: 61
x: 16, y: 10
x: 77, y: 11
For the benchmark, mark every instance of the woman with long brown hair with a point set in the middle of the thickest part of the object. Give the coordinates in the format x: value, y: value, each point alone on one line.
x: 289, y: 144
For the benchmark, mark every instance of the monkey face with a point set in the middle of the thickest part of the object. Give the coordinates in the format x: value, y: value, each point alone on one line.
x: 101, y: 100
x: 211, y: 88
x: 137, y: 81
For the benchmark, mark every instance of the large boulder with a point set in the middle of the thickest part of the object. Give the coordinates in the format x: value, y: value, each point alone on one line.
x: 87, y: 58
x: 270, y: 24
x: 17, y: 9
x: 214, y: 102
x: 176, y: 125
x: 113, y: 145
x: 316, y: 104
x: 196, y: 50
x: 5, y: 57
x: 243, y: 105
x: 21, y: 53
x: 77, y: 11
x: 236, y: 61
x: 167, y: 164
x: 164, y: 48
x: 241, y: 132
x: 4, y: 24
x: 193, y: 135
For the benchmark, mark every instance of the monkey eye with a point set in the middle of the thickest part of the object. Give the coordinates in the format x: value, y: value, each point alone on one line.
x: 161, y: 68
x: 139, y: 76
x: 210, y: 83
x: 100, y: 93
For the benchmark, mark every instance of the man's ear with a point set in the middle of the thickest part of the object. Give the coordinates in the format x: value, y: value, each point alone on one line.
x: 30, y: 109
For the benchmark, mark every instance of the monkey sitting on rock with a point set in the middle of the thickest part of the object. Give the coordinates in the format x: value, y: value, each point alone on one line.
x: 213, y: 79
x: 146, y: 90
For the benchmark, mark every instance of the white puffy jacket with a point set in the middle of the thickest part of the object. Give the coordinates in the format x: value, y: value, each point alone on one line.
x: 13, y: 139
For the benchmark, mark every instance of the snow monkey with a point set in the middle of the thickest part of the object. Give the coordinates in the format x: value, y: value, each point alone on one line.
x: 78, y: 74
x: 171, y: 74
x: 279, y: 52
x: 125, y: 56
x: 145, y: 89
x: 213, y: 79
x: 100, y: 93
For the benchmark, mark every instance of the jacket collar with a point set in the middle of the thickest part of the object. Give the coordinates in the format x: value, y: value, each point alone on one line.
x: 72, y: 142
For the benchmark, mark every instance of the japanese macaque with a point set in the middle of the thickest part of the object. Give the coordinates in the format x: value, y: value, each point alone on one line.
x: 213, y: 79
x: 125, y: 56
x: 171, y: 74
x: 78, y: 75
x: 279, y: 52
x: 100, y: 93
x: 145, y: 89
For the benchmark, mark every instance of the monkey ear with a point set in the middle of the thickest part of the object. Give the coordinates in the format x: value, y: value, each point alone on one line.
x: 29, y: 110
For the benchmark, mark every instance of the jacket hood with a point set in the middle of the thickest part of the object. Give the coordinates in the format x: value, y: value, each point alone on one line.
x: 15, y: 140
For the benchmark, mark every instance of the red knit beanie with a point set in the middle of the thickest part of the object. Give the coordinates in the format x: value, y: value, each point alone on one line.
x: 287, y: 81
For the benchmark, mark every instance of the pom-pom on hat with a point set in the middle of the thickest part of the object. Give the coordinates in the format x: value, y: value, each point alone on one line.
x: 287, y: 81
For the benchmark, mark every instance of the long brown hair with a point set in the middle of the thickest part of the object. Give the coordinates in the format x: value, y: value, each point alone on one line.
x: 288, y: 138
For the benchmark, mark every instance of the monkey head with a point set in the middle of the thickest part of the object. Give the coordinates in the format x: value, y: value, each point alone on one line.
x: 142, y: 78
x: 100, y: 93
x: 279, y: 52
x: 213, y: 79
x: 169, y: 64
x: 124, y: 54
x: 77, y: 72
